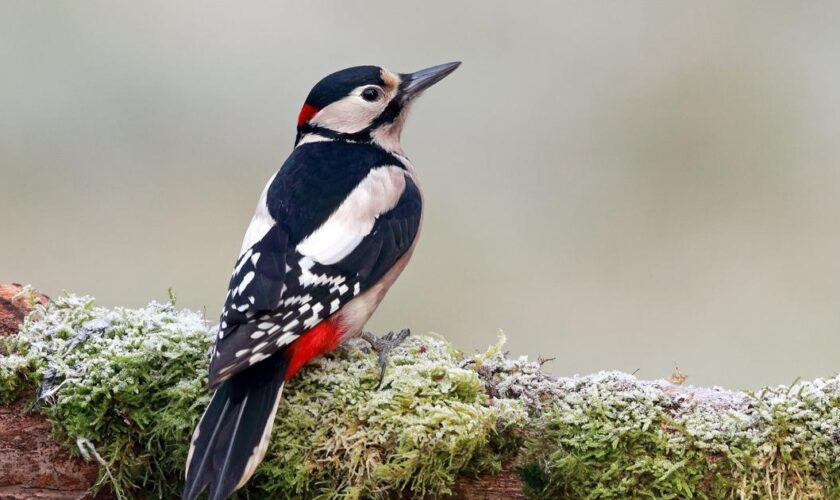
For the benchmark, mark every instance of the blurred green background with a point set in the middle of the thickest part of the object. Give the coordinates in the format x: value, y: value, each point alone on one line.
x: 619, y: 185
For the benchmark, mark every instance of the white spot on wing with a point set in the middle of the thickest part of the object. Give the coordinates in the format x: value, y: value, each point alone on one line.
x: 246, y: 280
x: 315, y: 318
x: 242, y: 260
x: 296, y: 299
x: 286, y: 339
x: 256, y: 358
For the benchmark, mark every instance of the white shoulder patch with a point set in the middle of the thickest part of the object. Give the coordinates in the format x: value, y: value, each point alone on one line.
x: 353, y: 220
x: 313, y: 137
x: 260, y: 223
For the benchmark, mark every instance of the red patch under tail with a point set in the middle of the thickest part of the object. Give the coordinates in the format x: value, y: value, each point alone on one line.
x: 316, y: 341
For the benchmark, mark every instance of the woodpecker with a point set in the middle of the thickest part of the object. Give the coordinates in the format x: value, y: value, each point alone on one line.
x: 332, y: 231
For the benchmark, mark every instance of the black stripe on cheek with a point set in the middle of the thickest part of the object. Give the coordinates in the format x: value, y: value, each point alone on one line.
x: 391, y: 113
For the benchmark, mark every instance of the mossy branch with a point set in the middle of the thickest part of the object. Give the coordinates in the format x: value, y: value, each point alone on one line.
x: 128, y: 385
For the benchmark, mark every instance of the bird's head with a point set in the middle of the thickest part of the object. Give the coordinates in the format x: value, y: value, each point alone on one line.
x: 364, y: 104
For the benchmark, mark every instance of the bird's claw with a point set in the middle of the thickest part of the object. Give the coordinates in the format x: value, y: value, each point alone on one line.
x: 383, y: 345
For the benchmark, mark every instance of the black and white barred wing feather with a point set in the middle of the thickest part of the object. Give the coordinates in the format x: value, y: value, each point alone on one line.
x: 282, y: 285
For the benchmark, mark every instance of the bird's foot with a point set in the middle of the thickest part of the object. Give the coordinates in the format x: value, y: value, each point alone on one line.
x: 383, y: 345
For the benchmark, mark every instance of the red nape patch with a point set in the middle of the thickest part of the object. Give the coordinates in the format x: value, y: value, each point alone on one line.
x: 321, y: 339
x: 306, y: 113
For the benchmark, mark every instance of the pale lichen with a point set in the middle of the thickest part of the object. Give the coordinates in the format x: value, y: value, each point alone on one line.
x: 126, y: 386
x: 519, y: 379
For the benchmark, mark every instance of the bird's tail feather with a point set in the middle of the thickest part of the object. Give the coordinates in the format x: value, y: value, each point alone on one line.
x: 232, y: 436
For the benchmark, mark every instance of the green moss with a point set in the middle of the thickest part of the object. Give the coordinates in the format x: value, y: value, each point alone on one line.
x: 126, y: 387
x: 610, y: 436
x: 129, y: 386
x: 339, y: 437
x: 13, y: 377
x: 129, y: 381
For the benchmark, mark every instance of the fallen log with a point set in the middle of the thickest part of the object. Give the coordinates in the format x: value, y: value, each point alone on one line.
x: 124, y: 387
x: 32, y: 463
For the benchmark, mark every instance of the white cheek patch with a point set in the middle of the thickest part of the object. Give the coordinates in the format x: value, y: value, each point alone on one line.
x: 353, y: 220
x: 348, y: 115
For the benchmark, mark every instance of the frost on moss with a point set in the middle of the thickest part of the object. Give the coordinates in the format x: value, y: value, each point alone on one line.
x: 13, y: 380
x: 129, y: 381
x: 126, y: 387
x: 338, y: 436
x: 609, y: 435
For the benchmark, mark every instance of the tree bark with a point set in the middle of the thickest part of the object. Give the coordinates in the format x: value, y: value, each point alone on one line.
x: 506, y: 484
x: 32, y: 464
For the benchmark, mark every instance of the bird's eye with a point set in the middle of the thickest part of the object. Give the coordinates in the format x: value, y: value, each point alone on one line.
x: 371, y: 94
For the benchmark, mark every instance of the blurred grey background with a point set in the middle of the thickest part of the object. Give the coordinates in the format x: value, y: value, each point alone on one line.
x: 619, y: 185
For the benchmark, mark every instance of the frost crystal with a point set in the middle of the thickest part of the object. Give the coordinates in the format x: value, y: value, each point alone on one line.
x: 126, y: 387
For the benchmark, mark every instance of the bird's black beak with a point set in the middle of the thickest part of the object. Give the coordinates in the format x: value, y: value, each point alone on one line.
x: 415, y: 83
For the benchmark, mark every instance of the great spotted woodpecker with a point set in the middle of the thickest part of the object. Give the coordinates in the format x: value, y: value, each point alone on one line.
x: 333, y: 229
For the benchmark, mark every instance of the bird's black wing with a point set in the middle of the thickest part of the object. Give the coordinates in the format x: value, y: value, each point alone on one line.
x: 279, y: 290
